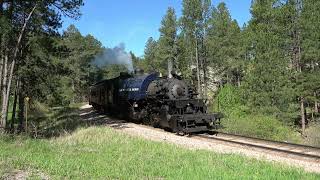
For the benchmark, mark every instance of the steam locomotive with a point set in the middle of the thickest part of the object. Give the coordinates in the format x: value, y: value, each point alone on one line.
x: 157, y: 101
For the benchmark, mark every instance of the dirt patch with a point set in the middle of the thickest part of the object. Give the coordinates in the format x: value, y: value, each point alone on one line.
x: 24, y: 174
x: 16, y: 175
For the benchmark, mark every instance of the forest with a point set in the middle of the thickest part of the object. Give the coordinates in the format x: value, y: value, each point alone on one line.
x: 262, y: 75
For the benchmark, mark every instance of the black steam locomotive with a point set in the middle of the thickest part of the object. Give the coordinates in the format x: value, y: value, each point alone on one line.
x: 161, y: 102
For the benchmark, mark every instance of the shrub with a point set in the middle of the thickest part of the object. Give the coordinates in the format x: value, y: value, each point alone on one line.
x: 227, y: 98
x: 313, y: 135
x: 242, y: 120
x: 260, y: 126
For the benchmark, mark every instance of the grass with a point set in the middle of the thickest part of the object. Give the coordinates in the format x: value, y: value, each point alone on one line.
x: 103, y: 153
x: 261, y: 126
x: 51, y: 122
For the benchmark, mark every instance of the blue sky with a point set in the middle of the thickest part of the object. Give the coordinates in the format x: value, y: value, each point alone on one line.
x: 132, y: 22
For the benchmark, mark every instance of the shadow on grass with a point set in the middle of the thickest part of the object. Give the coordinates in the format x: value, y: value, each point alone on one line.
x: 67, y: 119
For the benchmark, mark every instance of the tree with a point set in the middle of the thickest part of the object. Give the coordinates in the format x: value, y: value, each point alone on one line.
x: 191, y: 21
x: 167, y: 42
x: 79, y: 51
x: 306, y: 54
x: 110, y: 71
x: 224, y: 44
x: 267, y: 84
x: 150, y: 53
x: 194, y: 29
x: 25, y: 19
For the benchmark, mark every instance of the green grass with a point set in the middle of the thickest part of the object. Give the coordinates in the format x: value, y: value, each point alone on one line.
x: 101, y: 152
x: 261, y: 126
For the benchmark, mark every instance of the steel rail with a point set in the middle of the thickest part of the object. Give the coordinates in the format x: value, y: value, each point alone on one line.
x: 267, y: 140
x: 265, y: 146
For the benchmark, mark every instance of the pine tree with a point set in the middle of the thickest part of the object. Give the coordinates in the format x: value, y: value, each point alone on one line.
x: 167, y: 42
x: 79, y: 51
x: 193, y: 22
x: 267, y: 82
x: 150, y: 53
x: 37, y: 17
x: 306, y: 44
x: 224, y: 43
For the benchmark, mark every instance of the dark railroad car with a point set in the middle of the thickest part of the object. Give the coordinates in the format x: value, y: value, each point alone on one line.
x: 161, y: 102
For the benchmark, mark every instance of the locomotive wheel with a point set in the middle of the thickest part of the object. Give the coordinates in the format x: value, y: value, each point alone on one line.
x: 154, y: 121
x: 180, y: 133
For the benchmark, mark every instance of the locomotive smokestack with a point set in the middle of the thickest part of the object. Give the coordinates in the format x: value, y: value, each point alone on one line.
x: 170, y: 68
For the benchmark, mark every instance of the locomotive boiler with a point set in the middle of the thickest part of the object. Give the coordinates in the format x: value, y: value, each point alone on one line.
x: 163, y: 102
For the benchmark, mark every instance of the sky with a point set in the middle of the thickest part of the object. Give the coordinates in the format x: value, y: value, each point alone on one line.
x: 132, y: 22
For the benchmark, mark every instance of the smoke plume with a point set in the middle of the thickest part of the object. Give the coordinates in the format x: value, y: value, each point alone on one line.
x: 116, y: 55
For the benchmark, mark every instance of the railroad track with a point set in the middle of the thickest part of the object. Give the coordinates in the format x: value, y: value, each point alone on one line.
x: 290, y: 150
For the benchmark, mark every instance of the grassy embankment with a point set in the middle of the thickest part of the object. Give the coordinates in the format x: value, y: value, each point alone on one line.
x: 239, y: 119
x: 101, y: 152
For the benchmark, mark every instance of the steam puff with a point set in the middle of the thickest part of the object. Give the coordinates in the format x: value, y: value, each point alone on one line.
x: 116, y: 55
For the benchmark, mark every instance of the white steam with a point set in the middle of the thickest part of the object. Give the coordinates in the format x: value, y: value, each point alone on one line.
x: 116, y: 55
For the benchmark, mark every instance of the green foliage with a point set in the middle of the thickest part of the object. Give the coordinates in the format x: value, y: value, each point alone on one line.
x: 46, y: 122
x: 267, y: 83
x: 78, y: 53
x: 309, y: 23
x: 100, y: 153
x: 182, y: 62
x: 150, y: 53
x: 224, y: 44
x: 239, y: 119
x: 312, y: 134
x: 258, y: 125
x: 139, y: 63
x: 228, y: 98
x: 308, y: 85
x: 166, y: 49
x: 110, y: 71
x: 192, y: 41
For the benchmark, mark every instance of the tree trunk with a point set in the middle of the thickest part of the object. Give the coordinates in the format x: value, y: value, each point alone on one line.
x: 73, y: 90
x: 15, y: 54
x: 2, y: 54
x: 316, y: 106
x: 198, y: 71
x: 205, y: 90
x: 303, y: 118
x: 13, y: 117
x: 170, y: 67
x: 202, y: 80
x: 4, y: 94
x: 238, y: 77
x: 1, y: 69
x: 21, y: 107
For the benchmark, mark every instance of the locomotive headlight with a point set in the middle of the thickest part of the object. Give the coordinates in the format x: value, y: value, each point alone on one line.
x: 135, y: 105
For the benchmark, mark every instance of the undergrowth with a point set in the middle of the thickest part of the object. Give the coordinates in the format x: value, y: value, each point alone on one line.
x: 240, y: 119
